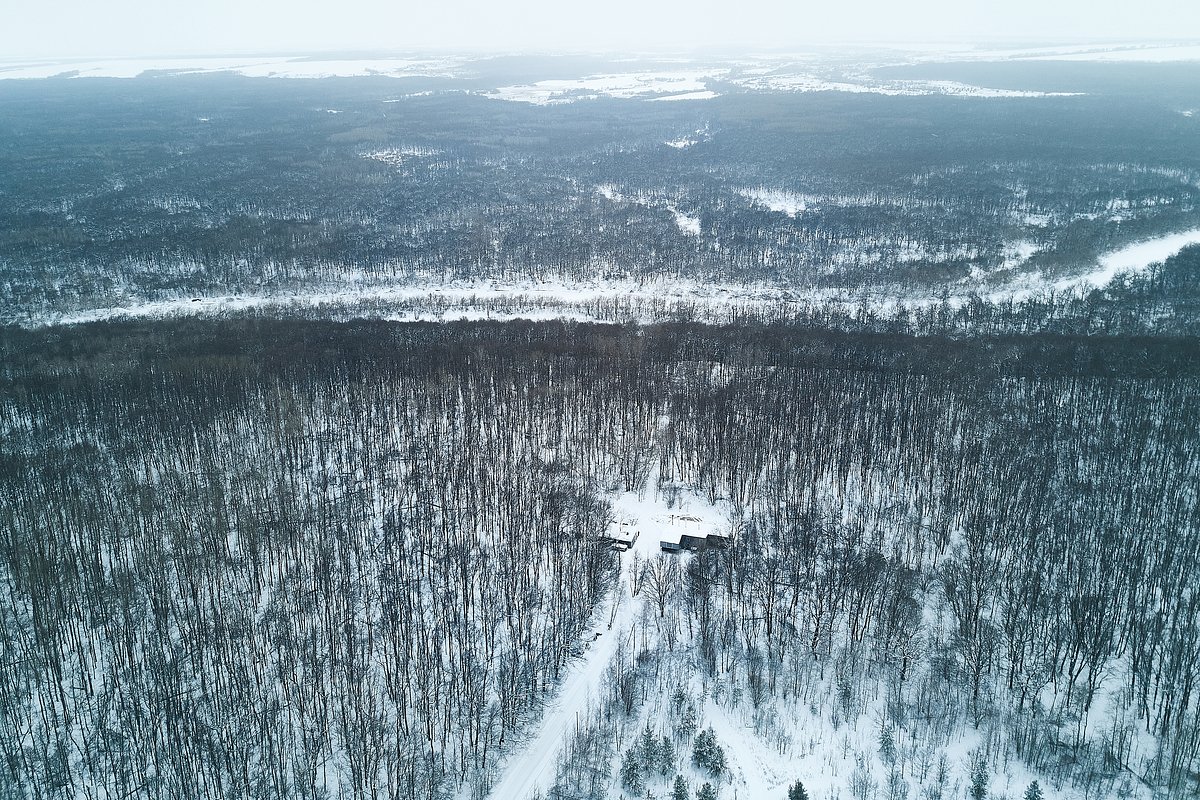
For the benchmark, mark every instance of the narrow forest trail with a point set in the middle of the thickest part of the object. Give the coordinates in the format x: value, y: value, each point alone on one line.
x: 531, y: 768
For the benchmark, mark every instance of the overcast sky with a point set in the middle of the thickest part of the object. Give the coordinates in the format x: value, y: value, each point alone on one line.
x: 171, y: 27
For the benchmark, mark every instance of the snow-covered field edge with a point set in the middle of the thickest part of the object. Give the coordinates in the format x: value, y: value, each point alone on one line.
x: 645, y: 301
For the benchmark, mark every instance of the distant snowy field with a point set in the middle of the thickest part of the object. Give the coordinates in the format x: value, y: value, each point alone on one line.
x: 432, y: 301
x: 828, y: 70
x: 1134, y: 258
x: 251, y: 66
x: 1128, y: 54
x: 657, y: 85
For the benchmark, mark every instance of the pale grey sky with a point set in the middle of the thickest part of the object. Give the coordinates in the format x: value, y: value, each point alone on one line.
x: 168, y: 27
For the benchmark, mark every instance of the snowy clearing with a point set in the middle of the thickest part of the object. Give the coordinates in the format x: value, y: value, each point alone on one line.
x: 690, y: 226
x: 865, y: 84
x: 467, y: 299
x: 779, y: 200
x: 705, y: 94
x: 397, y: 156
x: 1134, y: 258
x: 676, y: 85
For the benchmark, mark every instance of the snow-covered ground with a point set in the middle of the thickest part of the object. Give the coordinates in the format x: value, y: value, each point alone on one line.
x: 651, y: 85
x: 786, y: 80
x: 694, y: 86
x: 816, y: 70
x: 458, y: 299
x: 779, y: 200
x: 694, y: 138
x: 528, y: 299
x: 531, y: 768
x: 704, y: 94
x: 1134, y: 258
x: 250, y: 66
x: 689, y: 225
x: 398, y: 156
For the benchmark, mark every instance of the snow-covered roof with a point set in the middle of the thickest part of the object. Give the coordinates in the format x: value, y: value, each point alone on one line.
x: 673, y: 527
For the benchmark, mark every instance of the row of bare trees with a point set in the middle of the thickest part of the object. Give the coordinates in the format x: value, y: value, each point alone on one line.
x: 1011, y: 538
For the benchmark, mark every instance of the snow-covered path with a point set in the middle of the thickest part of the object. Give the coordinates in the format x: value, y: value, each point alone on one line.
x: 467, y: 300
x: 532, y: 768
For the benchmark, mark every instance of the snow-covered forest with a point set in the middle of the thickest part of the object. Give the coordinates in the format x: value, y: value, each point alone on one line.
x: 482, y: 428
x: 308, y: 559
x: 118, y: 192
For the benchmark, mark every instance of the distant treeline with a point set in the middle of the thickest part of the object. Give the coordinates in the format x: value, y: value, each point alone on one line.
x: 121, y: 191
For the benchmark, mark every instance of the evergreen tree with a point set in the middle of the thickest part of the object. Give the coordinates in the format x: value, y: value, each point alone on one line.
x: 647, y: 747
x: 631, y: 773
x: 1034, y: 792
x: 679, y: 791
x: 707, y: 754
x: 887, y: 746
x: 717, y: 764
x: 979, y: 781
x: 701, y: 750
x: 688, y: 722
x: 797, y: 792
x: 666, y: 757
x: 706, y: 792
